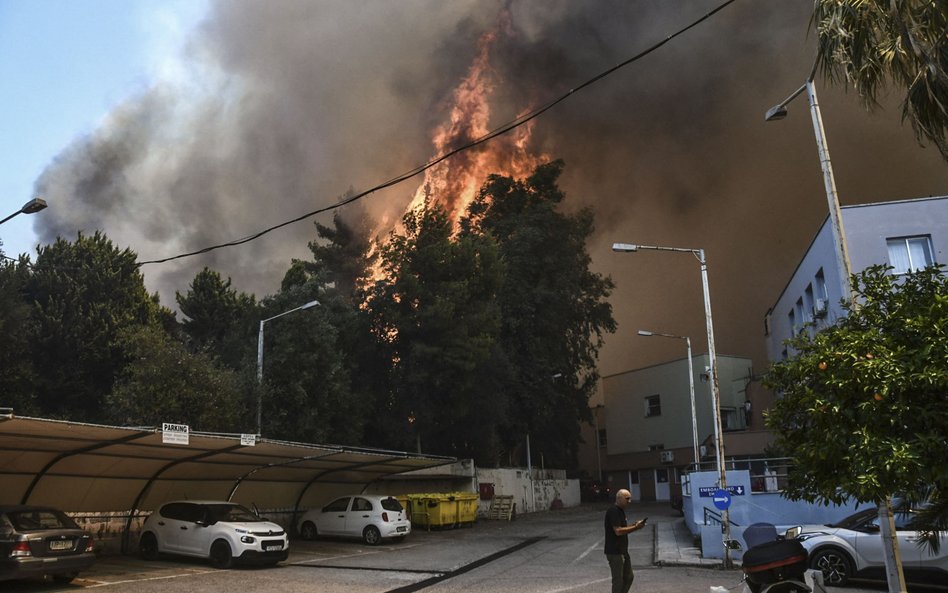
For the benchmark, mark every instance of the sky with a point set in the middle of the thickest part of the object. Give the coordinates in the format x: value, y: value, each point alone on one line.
x: 173, y: 126
x: 64, y: 65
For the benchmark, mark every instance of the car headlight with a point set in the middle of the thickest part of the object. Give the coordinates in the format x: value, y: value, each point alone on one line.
x: 247, y: 539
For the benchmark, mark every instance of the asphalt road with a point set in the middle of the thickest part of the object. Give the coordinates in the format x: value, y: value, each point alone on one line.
x: 554, y: 552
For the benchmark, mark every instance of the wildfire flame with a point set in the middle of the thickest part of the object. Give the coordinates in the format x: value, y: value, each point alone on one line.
x: 453, y: 183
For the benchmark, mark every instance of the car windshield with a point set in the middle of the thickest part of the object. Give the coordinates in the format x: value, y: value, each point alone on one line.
x: 391, y: 504
x: 231, y: 512
x: 37, y: 519
x: 855, y: 519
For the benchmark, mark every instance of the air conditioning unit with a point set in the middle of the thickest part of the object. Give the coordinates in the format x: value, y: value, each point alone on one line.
x: 667, y: 456
x: 819, y: 308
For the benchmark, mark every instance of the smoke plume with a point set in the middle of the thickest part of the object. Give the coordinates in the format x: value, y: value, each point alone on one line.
x: 291, y: 103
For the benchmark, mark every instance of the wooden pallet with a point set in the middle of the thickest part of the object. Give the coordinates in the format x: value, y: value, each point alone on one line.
x: 502, y: 507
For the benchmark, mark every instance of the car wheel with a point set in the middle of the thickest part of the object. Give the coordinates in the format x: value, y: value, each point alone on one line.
x: 221, y: 556
x: 371, y: 535
x: 148, y: 547
x: 308, y: 530
x: 65, y: 578
x: 834, y: 564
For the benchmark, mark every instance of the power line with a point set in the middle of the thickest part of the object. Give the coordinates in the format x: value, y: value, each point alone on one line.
x: 503, y: 129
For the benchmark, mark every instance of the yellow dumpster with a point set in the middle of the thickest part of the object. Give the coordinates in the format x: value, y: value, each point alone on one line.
x: 467, y: 507
x: 442, y: 510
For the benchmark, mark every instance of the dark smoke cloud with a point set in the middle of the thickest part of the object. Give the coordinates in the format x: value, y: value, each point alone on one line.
x: 294, y: 102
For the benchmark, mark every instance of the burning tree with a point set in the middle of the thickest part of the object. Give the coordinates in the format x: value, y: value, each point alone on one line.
x: 553, y: 308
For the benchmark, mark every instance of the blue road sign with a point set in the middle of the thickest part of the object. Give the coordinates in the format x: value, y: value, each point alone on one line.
x: 721, y: 499
x: 708, y: 491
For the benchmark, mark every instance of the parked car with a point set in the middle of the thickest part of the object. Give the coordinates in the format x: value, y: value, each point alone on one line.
x: 594, y: 491
x: 369, y: 517
x: 224, y: 532
x: 852, y: 548
x: 41, y: 541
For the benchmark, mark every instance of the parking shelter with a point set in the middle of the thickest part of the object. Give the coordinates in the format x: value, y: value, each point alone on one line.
x: 97, y: 469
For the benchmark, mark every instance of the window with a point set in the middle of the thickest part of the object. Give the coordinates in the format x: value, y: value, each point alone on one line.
x: 602, y: 437
x: 337, y: 506
x: 820, y: 281
x: 653, y: 406
x: 658, y: 447
x: 361, y: 504
x: 729, y: 419
x: 909, y: 253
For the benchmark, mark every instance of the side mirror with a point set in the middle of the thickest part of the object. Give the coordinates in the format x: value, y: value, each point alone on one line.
x: 793, y: 532
x: 732, y: 544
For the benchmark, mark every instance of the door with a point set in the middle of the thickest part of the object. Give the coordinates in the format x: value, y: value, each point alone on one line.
x: 662, y: 491
x: 634, y: 487
x: 332, y: 520
x: 359, y: 516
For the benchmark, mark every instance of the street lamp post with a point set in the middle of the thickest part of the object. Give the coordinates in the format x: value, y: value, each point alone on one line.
x: 260, y: 359
x: 691, y: 387
x: 778, y: 112
x: 31, y: 207
x: 715, y: 389
x: 894, y: 575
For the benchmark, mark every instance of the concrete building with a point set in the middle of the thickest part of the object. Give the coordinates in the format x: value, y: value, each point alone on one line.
x: 905, y: 234
x: 645, y: 430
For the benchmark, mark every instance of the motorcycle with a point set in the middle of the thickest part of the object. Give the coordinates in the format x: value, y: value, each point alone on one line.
x: 776, y: 563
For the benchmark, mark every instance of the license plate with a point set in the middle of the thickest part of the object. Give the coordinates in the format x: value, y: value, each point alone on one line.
x: 275, y: 548
x: 401, y: 529
x: 60, y: 545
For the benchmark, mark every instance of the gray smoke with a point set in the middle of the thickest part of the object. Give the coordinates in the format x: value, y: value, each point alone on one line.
x: 293, y: 102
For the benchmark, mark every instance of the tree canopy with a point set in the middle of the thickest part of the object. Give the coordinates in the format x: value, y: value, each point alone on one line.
x: 872, y: 44
x: 863, y: 410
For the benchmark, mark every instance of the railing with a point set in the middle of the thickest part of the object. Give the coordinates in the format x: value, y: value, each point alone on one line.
x: 714, y: 518
x: 766, y: 474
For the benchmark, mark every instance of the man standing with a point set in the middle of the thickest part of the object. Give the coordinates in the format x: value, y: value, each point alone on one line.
x: 617, y: 542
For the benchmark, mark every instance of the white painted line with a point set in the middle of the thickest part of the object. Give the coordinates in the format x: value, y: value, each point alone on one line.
x: 579, y: 586
x: 171, y: 576
x: 586, y: 553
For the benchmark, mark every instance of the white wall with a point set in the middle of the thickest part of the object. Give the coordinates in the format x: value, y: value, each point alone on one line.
x: 529, y: 495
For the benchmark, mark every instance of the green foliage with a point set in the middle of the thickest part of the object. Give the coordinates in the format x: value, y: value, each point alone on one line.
x: 164, y: 382
x: 82, y: 295
x: 873, y: 43
x: 438, y: 316
x: 212, y: 308
x: 864, y: 406
x: 306, y: 393
x: 554, y: 310
x: 16, y: 327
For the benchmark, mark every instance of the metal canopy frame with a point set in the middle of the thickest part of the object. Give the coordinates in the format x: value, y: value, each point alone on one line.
x: 91, y: 467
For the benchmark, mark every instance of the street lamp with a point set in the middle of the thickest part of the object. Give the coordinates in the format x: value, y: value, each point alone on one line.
x: 31, y: 207
x: 260, y: 358
x: 778, y: 112
x: 894, y: 574
x: 712, y: 359
x: 691, y: 387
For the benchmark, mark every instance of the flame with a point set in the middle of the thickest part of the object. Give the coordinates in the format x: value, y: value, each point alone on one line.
x: 454, y: 183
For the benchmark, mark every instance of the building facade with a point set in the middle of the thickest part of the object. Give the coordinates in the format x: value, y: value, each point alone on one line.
x: 645, y: 434
x: 906, y: 234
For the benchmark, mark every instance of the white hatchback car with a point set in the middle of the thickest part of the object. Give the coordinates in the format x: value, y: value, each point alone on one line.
x: 369, y: 517
x: 222, y: 531
x: 852, y: 548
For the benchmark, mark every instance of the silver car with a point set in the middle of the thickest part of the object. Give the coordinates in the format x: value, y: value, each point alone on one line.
x: 852, y: 548
x: 40, y: 541
x: 371, y: 518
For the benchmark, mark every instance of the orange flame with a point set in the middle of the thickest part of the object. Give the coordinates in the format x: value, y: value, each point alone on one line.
x: 454, y: 182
